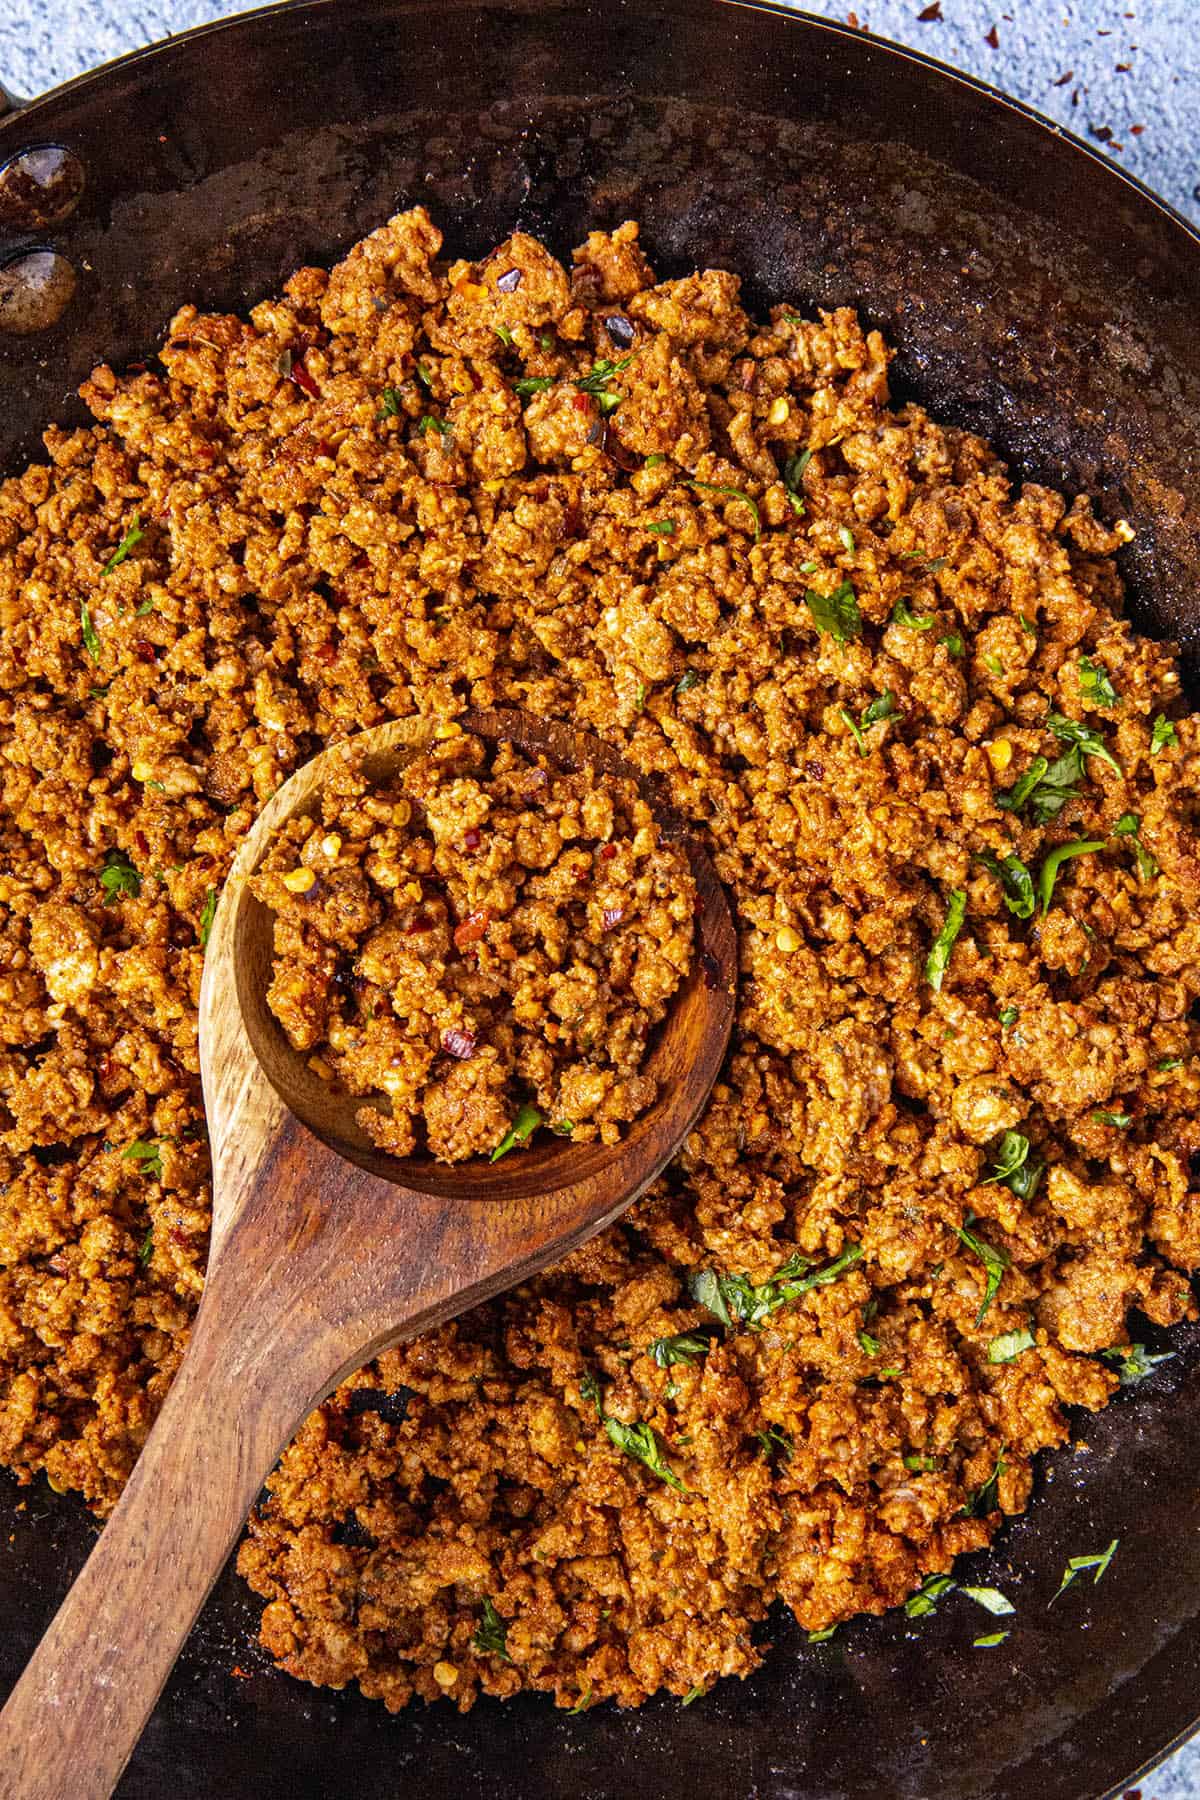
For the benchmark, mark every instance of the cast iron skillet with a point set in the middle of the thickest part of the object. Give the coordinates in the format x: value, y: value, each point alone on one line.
x: 1034, y: 293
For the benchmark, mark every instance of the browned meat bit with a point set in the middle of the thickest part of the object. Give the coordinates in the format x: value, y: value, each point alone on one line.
x: 874, y: 677
x: 499, y: 983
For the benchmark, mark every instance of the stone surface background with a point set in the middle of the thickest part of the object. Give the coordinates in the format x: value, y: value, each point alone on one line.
x: 1123, y: 73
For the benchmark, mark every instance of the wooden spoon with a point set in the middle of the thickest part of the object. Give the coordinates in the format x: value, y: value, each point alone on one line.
x: 323, y: 1253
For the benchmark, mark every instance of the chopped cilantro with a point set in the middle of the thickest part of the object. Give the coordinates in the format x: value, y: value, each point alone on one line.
x: 869, y: 1345
x: 775, y: 1441
x: 640, y: 1442
x: 118, y: 877
x: 901, y: 615
x: 147, y: 1249
x: 428, y: 423
x: 519, y: 1132
x: 847, y: 538
x: 491, y: 1634
x: 1169, y: 1062
x: 684, y: 1347
x: 1013, y: 1168
x: 732, y: 493
x: 989, y: 1640
x: 90, y: 641
x: 1129, y: 825
x: 144, y: 610
x: 938, y: 960
x: 1134, y: 1363
x: 1069, y: 731
x: 1009, y: 1016
x: 505, y: 335
x: 662, y: 528
x: 389, y: 404
x: 836, y: 613
x: 880, y: 708
x: 927, y: 1596
x: 1095, y: 683
x: 793, y: 472
x: 589, y: 1389
x: 953, y: 643
x: 147, y: 1154
x: 919, y: 1464
x: 1045, y: 785
x: 1054, y: 861
x: 689, y: 679
x: 207, y: 915
x: 1015, y: 881
x: 986, y: 1498
x: 133, y: 536
x: 424, y: 377
x: 852, y: 725
x: 730, y: 1297
x: 995, y: 1262
x: 993, y: 665
x: 1163, y: 733
x: 1118, y: 1120
x: 1009, y: 1345
x: 693, y: 1694
x: 822, y: 1637
x: 1079, y: 1565
x: 990, y: 1598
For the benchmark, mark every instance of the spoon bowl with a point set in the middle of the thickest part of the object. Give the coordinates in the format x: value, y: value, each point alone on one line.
x: 324, y: 1251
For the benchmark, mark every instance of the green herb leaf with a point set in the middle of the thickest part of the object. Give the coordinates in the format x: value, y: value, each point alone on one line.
x: 144, y: 610
x: 689, y: 679
x: 1009, y: 1016
x: 684, y: 1347
x: 836, y: 613
x: 596, y: 381
x: 1118, y: 1120
x: 993, y: 665
x: 505, y: 335
x: 995, y: 1262
x: 953, y: 643
x: 775, y: 1441
x: 822, y: 1637
x: 491, y: 1634
x: 589, y: 1389
x: 662, y: 528
x: 901, y: 615
x: 428, y: 423
x: 640, y: 1442
x: 1079, y: 1565
x: 207, y: 915
x: 533, y: 384
x: 925, y: 1600
x: 563, y: 1127
x: 1169, y: 1062
x: 1134, y: 1362
x: 847, y: 538
x: 881, y: 708
x: 1163, y: 733
x: 1013, y: 1153
x: 424, y: 377
x: 1014, y: 879
x: 852, y: 725
x: 90, y: 641
x: 732, y: 493
x: 693, y: 1694
x: 147, y: 1154
x: 793, y: 474
x: 730, y: 1297
x: 990, y: 1598
x: 1089, y: 741
x: 1095, y: 683
x: 118, y: 877
x: 989, y: 1640
x: 870, y: 1346
x: 920, y: 1465
x: 519, y: 1132
x: 147, y: 1249
x: 133, y: 536
x: 1129, y: 825
x: 582, y: 1704
x: 1009, y: 1345
x: 1054, y: 862
x: 1045, y: 785
x: 986, y: 1498
x: 389, y: 404
x: 938, y: 960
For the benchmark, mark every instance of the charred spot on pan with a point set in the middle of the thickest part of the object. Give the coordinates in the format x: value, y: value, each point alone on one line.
x: 392, y: 1408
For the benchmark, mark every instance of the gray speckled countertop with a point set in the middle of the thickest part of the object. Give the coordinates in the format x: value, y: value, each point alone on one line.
x: 1123, y: 73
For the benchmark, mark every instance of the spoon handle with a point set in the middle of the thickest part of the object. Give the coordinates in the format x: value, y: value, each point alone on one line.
x: 78, y: 1710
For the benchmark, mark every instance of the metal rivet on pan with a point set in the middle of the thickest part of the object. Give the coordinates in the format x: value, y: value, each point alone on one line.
x: 40, y: 186
x: 35, y: 290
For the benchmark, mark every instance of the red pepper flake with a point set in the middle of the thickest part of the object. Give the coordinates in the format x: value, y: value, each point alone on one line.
x: 242, y: 1674
x: 144, y: 651
x: 459, y: 1044
x: 303, y: 379
x: 608, y: 852
x: 581, y: 874
x: 104, y: 1068
x: 992, y: 38
x: 1064, y: 79
x: 931, y: 15
x: 142, y: 842
x: 612, y: 917
x: 471, y: 840
x: 582, y: 402
x: 1136, y: 130
x: 420, y: 921
x: 473, y: 927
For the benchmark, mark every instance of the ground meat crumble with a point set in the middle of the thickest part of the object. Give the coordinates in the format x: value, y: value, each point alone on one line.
x: 888, y: 688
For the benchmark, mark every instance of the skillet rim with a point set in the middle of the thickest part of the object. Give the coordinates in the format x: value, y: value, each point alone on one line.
x: 23, y: 113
